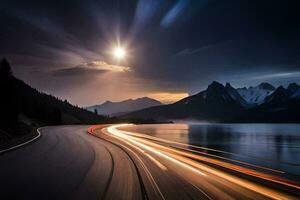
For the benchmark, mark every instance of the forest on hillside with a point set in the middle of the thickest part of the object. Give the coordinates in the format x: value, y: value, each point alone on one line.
x: 23, y: 107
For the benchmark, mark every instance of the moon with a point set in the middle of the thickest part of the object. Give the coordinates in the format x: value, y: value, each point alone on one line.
x: 119, y: 52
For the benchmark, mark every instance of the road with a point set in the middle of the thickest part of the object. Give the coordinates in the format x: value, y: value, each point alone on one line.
x: 109, y: 163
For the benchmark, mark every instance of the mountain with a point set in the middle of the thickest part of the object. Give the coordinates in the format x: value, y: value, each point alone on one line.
x: 122, y: 107
x: 278, y: 98
x: 236, y: 95
x: 283, y: 105
x: 21, y: 103
x: 296, y: 94
x: 282, y: 97
x: 256, y: 95
x: 293, y: 87
x: 225, y: 104
x: 215, y: 103
x: 295, y: 90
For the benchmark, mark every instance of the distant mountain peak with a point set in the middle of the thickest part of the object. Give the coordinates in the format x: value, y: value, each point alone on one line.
x: 256, y: 95
x: 215, y: 86
x: 235, y: 95
x: 121, y: 107
x: 228, y: 85
x: 266, y: 86
x: 280, y: 88
x: 278, y: 97
x: 293, y: 87
x: 215, y: 91
x: 144, y: 98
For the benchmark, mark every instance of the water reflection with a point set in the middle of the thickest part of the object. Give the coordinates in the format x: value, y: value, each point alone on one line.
x: 270, y: 145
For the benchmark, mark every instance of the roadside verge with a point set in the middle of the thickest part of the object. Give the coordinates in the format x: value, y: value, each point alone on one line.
x: 22, y: 143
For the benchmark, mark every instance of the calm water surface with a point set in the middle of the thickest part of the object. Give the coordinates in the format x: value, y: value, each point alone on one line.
x: 271, y: 145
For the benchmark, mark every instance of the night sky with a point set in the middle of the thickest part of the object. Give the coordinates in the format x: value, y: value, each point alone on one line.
x: 174, y: 48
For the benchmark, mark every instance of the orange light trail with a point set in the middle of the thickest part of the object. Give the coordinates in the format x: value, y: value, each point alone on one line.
x: 187, y: 159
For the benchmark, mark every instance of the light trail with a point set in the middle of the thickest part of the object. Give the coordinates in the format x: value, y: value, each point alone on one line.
x: 217, y: 162
x: 188, y: 160
x: 202, y: 148
x: 209, y: 149
x: 116, y: 132
x: 156, y: 162
x: 148, y: 173
x: 227, y: 165
x: 149, y: 156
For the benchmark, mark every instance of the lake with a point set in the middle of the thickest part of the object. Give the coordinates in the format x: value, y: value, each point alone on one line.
x: 275, y: 146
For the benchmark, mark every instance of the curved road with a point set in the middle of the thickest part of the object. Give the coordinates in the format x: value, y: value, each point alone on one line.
x: 68, y: 163
x: 108, y: 163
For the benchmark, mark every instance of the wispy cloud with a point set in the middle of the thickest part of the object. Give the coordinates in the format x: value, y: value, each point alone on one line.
x: 174, y: 13
x: 145, y: 10
x: 280, y: 75
x: 90, y: 68
x: 101, y: 65
x: 188, y: 51
x: 192, y: 51
x: 44, y: 24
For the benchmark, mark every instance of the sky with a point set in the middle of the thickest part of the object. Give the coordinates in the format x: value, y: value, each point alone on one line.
x: 174, y: 48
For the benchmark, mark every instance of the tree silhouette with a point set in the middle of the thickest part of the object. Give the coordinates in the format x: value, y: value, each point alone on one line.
x: 9, y: 101
x: 5, y: 69
x: 96, y: 111
x: 55, y: 116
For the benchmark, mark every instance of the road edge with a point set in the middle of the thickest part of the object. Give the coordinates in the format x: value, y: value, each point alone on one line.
x: 24, y: 143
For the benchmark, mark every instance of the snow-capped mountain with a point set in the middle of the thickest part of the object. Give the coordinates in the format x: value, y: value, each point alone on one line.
x: 256, y: 95
x: 235, y: 95
x: 122, y: 107
x: 263, y: 103
x: 283, y: 100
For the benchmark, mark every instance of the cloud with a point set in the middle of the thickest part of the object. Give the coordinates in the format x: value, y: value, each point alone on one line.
x: 188, y: 51
x: 282, y: 75
x: 192, y: 51
x: 144, y: 12
x: 101, y: 65
x: 90, y: 68
x: 174, y: 13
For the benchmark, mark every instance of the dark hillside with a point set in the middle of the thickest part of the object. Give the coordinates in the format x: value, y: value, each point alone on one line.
x: 19, y: 101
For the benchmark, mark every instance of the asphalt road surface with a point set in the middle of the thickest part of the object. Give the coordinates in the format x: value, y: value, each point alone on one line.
x: 66, y: 162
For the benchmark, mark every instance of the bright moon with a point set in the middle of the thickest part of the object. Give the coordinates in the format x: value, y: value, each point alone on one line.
x: 119, y: 53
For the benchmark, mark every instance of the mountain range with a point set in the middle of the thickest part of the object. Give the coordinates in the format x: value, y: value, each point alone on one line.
x: 123, y: 107
x: 262, y: 103
x: 256, y: 95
